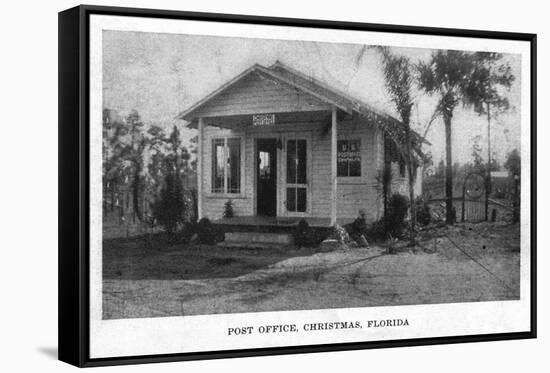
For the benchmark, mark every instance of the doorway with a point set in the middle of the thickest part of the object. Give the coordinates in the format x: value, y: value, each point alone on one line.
x: 266, y: 176
x: 297, y: 176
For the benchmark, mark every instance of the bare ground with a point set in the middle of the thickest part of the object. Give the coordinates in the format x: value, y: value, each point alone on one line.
x: 146, y: 278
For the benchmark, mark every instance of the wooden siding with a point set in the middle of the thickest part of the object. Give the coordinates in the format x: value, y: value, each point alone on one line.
x: 354, y: 194
x: 258, y: 94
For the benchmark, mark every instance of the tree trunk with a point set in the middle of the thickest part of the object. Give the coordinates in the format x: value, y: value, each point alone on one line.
x: 112, y: 196
x: 135, y: 191
x: 411, y: 187
x: 385, y: 174
x: 386, y: 188
x: 516, y: 212
x: 447, y: 116
x: 488, y: 173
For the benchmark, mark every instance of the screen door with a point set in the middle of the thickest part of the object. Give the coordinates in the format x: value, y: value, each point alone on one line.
x: 297, y: 185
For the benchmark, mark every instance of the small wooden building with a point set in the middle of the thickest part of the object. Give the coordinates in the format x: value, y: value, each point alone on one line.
x: 282, y: 146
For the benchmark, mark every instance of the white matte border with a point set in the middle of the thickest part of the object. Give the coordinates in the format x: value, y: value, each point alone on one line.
x: 149, y: 336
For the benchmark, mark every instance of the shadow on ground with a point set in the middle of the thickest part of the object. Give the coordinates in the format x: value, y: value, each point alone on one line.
x: 155, y: 258
x: 50, y: 352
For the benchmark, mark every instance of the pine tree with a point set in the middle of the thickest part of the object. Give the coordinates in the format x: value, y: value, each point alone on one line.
x: 138, y: 143
x: 169, y: 209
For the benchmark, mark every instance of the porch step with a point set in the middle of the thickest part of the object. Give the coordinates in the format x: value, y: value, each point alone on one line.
x: 257, y: 239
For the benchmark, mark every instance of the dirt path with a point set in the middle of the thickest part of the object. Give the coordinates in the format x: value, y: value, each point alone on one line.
x: 295, y: 283
x: 354, y: 278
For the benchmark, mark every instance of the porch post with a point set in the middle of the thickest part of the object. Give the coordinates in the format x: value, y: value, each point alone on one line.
x: 199, y: 168
x: 333, y: 167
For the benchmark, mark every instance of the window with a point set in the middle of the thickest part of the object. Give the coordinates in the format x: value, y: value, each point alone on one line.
x: 226, y: 165
x: 349, y: 158
x: 218, y: 165
x: 264, y: 165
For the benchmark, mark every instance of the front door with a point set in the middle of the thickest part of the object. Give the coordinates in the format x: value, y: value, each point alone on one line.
x: 266, y: 176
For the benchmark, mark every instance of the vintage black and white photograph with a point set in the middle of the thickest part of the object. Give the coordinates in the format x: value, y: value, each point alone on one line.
x: 266, y: 185
x: 251, y: 175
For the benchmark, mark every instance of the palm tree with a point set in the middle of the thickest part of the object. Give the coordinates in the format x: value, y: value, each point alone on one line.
x: 399, y: 79
x: 448, y: 74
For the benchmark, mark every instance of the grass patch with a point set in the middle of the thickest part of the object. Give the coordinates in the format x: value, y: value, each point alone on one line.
x: 160, y: 257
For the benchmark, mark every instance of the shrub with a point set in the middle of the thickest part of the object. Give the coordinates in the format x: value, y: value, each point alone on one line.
x: 337, y: 233
x: 169, y: 209
x: 376, y: 231
x: 394, y: 218
x: 208, y: 233
x: 228, y: 209
x: 391, y: 224
x: 423, y: 213
x: 340, y: 234
x: 398, y: 205
x: 301, y: 235
x: 358, y: 228
x: 189, y: 230
x: 305, y: 236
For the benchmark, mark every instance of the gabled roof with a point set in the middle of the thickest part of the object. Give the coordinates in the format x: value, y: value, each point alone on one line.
x: 289, y: 79
x: 285, y: 74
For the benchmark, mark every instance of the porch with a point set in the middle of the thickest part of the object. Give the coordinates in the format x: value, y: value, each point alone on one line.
x: 278, y: 221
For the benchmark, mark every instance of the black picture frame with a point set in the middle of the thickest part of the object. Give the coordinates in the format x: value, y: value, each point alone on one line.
x: 74, y: 187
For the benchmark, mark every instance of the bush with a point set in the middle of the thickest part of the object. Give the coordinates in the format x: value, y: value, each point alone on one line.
x: 398, y: 205
x: 358, y: 228
x: 423, y: 213
x: 301, y: 235
x: 305, y: 236
x: 169, y: 209
x: 228, y: 209
x: 340, y: 234
x: 393, y: 222
x: 377, y: 231
x: 189, y: 230
x: 208, y: 233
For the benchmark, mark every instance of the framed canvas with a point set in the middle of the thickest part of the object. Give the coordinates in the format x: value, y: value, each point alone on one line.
x: 234, y: 186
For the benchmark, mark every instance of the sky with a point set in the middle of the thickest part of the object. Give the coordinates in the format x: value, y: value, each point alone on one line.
x: 160, y: 75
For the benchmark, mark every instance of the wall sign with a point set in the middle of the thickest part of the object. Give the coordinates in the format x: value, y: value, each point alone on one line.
x: 263, y: 119
x: 349, y: 151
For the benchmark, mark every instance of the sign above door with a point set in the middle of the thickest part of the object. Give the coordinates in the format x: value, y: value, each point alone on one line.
x: 263, y: 119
